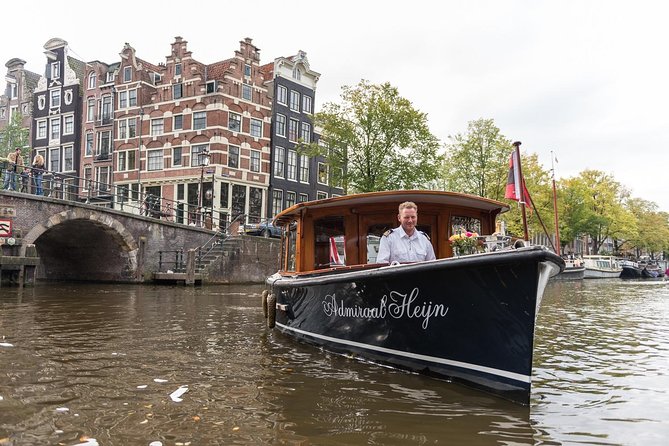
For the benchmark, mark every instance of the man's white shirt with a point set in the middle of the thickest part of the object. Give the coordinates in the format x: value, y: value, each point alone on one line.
x: 397, y: 246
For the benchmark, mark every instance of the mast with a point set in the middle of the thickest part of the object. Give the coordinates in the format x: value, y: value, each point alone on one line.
x: 521, y: 198
x: 555, y: 208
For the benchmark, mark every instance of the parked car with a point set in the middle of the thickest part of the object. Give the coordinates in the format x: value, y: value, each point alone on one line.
x: 265, y: 228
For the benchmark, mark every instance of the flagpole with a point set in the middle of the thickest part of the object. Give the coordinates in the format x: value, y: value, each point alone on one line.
x: 555, y: 208
x: 522, y: 188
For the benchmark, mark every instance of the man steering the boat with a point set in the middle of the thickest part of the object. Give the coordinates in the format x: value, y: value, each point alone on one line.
x: 405, y: 243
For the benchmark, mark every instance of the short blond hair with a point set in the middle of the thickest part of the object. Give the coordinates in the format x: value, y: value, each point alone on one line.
x: 407, y: 205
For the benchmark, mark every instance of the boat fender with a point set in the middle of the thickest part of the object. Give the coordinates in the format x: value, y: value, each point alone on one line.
x: 271, y: 310
x: 264, y: 302
x: 388, y: 232
x: 519, y: 244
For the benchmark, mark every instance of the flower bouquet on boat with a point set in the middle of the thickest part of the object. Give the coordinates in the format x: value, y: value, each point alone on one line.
x: 344, y: 285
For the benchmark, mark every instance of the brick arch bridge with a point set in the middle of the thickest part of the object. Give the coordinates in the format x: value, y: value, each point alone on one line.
x: 77, y: 241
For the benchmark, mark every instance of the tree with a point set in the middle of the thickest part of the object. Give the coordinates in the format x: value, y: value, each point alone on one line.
x: 14, y: 135
x: 594, y: 204
x: 477, y: 162
x: 653, y: 228
x: 376, y: 140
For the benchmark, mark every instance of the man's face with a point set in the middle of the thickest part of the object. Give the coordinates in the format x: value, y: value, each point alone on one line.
x: 408, y: 218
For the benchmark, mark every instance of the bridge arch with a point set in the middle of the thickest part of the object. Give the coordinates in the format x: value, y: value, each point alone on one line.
x: 82, y: 244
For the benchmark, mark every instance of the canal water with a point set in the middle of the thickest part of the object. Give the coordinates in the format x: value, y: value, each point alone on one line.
x: 143, y: 365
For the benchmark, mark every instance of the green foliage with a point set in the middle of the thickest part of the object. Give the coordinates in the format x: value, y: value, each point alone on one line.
x: 477, y: 162
x: 14, y: 135
x: 652, y: 235
x: 376, y: 140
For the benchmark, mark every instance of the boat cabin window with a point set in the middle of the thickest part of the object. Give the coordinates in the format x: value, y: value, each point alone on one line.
x: 461, y: 224
x: 330, y: 242
x: 292, y: 247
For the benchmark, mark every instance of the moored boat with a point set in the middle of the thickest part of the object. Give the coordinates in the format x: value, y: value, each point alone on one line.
x: 601, y: 267
x: 468, y: 318
x: 631, y: 269
x: 573, y: 270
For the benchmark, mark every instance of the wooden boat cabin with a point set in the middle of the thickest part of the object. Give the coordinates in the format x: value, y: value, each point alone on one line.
x: 344, y: 232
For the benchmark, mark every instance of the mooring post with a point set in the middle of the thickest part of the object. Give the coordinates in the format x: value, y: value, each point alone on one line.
x: 190, y: 267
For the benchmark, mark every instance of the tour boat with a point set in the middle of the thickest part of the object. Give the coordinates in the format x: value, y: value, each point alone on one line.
x: 601, y: 267
x: 468, y: 318
x: 573, y: 270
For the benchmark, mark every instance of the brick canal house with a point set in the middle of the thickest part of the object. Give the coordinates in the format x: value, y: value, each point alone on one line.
x: 56, y: 124
x: 295, y: 177
x: 18, y: 94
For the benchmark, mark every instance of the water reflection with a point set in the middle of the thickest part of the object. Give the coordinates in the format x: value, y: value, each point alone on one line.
x: 100, y: 361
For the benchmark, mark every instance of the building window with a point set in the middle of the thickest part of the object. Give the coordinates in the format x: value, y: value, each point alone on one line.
x: 304, y: 168
x: 104, y: 143
x: 157, y: 126
x: 155, y: 159
x: 132, y: 98
x: 294, y: 100
x: 256, y: 128
x: 123, y: 129
x: 41, y: 129
x: 321, y: 195
x: 297, y: 74
x: 233, y: 156
x: 68, y: 158
x: 177, y: 69
x: 247, y: 92
x: 199, y: 120
x: 126, y: 160
x: 293, y: 126
x: 211, y: 87
x: 279, y: 161
x: 255, y: 161
x: 290, y: 199
x: 55, y: 70
x: 234, y: 122
x: 178, y: 122
x: 55, y: 128
x: 106, y: 109
x: 87, y: 177
x: 90, y: 110
x: 55, y: 98
x: 306, y: 104
x: 177, y: 91
x: 89, y: 144
x: 292, y: 165
x: 127, y: 74
x: 282, y: 95
x: 68, y: 125
x: 281, y: 125
x: 198, y: 154
x: 302, y: 198
x: 54, y: 160
x: 123, y: 100
x: 103, y: 178
x: 247, y: 70
x: 176, y: 156
x: 92, y: 80
x: 13, y: 91
x: 322, y: 173
x: 132, y: 127
x: 277, y: 201
x: 306, y: 132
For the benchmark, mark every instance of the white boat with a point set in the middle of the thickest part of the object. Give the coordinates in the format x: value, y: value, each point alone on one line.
x: 601, y: 267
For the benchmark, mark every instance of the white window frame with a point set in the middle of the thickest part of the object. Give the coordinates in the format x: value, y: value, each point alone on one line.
x: 277, y: 201
x: 254, y: 162
x: 54, y: 135
x: 89, y: 144
x: 68, y: 124
x: 305, y: 132
x: 318, y: 176
x: 291, y: 198
x: 92, y: 80
x: 90, y: 110
x: 279, y: 162
x: 237, y: 156
x: 247, y: 92
x: 291, y: 165
x: 68, y: 161
x: 199, y: 120
x: 55, y: 70
x: 294, y: 100
x: 293, y: 124
x: 157, y: 126
x: 181, y: 156
x: 230, y: 120
x: 255, y: 129
x: 282, y: 95
x: 307, y: 104
x: 304, y: 168
x: 127, y: 74
x: 281, y: 125
x: 54, y: 98
x: 154, y: 159
x: 41, y: 129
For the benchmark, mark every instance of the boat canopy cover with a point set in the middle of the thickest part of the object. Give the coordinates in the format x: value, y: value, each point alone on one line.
x: 394, y: 197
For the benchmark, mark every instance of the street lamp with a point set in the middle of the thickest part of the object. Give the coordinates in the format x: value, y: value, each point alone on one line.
x: 204, y: 162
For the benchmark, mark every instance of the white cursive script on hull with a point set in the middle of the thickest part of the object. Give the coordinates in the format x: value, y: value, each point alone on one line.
x: 395, y: 304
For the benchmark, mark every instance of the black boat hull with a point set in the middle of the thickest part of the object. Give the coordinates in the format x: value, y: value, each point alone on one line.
x: 468, y: 319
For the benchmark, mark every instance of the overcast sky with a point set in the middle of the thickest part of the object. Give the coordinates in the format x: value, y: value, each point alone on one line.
x: 586, y: 79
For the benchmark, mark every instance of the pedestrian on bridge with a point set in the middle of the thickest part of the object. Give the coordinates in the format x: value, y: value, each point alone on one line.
x: 37, y: 170
x: 15, y: 161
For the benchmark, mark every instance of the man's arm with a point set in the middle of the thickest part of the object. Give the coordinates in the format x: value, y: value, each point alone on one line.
x: 384, y: 250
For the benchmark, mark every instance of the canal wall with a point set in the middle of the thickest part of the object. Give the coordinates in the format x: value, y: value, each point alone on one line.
x: 247, y: 259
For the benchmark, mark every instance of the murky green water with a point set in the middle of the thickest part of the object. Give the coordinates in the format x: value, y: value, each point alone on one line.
x: 97, y: 363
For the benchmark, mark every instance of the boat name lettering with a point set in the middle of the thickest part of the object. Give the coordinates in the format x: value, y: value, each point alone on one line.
x: 395, y: 304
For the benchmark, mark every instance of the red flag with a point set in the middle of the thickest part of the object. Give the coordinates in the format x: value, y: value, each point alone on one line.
x: 513, y: 182
x: 334, y: 254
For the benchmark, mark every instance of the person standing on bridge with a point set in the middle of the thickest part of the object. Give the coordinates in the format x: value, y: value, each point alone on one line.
x: 37, y: 170
x: 15, y: 161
